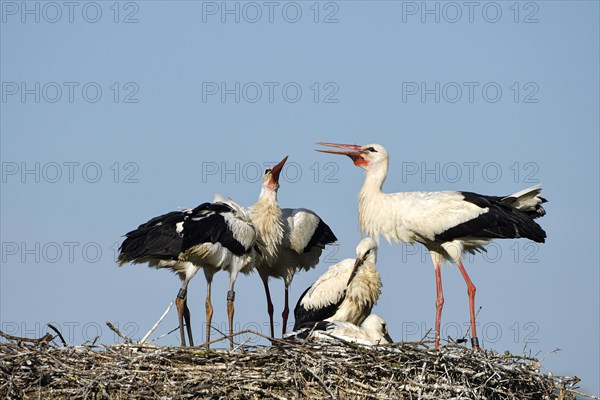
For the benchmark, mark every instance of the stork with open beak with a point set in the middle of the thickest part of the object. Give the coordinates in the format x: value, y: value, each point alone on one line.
x: 294, y: 239
x: 448, y: 223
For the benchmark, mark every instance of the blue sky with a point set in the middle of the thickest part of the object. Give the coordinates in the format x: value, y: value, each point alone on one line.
x: 111, y: 115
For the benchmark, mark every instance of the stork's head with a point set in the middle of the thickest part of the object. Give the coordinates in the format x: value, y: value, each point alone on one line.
x: 376, y: 327
x: 271, y: 176
x: 366, y: 251
x: 368, y: 156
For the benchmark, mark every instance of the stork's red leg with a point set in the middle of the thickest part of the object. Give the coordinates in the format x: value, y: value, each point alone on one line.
x: 180, y: 302
x: 230, y: 311
x: 286, y: 309
x: 230, y: 307
x: 439, y: 303
x: 471, y: 291
x: 269, y: 303
x: 209, y: 312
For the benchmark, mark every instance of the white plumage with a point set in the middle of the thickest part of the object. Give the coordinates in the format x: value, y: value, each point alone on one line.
x: 294, y: 239
x: 447, y: 223
x: 346, y: 292
x: 423, y: 216
x: 373, y: 331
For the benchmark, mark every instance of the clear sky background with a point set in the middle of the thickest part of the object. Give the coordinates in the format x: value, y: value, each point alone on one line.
x: 112, y: 113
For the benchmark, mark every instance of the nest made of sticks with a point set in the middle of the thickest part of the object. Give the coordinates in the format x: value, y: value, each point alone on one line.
x: 39, y: 369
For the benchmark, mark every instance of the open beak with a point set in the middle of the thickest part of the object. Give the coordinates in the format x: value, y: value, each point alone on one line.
x: 277, y: 170
x: 352, y: 150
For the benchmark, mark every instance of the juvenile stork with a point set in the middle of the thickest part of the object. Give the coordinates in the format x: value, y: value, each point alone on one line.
x: 346, y: 292
x: 294, y: 239
x: 447, y: 223
x: 212, y: 236
x: 371, y: 332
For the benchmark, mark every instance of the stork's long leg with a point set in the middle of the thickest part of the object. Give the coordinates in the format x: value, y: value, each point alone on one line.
x: 439, y: 303
x: 471, y: 291
x: 179, y: 302
x: 183, y: 312
x: 209, y: 312
x: 265, y: 281
x: 230, y: 308
x: 286, y: 309
x: 209, y: 309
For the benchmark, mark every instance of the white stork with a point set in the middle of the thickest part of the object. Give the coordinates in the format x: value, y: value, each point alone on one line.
x: 373, y: 331
x: 212, y: 236
x: 294, y: 239
x: 346, y: 292
x: 447, y: 223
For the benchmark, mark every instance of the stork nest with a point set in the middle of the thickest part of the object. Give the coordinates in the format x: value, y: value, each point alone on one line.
x: 38, y: 368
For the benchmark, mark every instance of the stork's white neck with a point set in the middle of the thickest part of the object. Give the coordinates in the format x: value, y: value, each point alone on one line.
x: 373, y: 207
x: 266, y: 216
x: 375, y: 176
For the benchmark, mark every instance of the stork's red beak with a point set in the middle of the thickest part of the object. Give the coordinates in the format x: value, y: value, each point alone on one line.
x: 277, y: 169
x: 354, y: 151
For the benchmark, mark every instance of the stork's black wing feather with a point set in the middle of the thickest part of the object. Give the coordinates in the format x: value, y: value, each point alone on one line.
x: 157, y: 238
x: 318, y: 325
x: 502, y: 221
x: 207, y: 224
x: 322, y: 236
x: 304, y: 315
x: 304, y: 330
x: 205, y: 208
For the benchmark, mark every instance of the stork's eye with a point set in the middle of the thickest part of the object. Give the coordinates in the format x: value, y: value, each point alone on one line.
x: 371, y: 149
x: 267, y: 170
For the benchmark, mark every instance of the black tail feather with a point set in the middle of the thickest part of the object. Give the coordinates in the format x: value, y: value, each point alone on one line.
x: 502, y: 221
x: 157, y: 238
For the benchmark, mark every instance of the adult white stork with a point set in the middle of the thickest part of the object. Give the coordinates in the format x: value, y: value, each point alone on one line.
x: 346, y: 292
x: 447, y: 223
x: 294, y: 239
x: 212, y: 236
x: 371, y: 332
